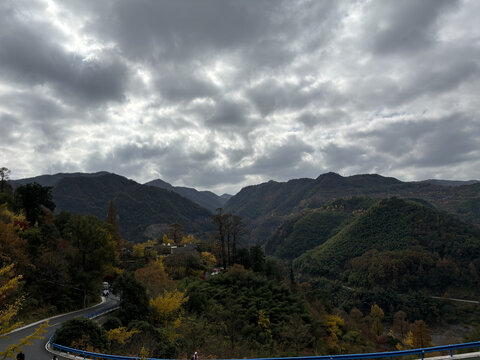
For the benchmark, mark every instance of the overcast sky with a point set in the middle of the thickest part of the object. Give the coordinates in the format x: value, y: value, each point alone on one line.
x: 220, y: 94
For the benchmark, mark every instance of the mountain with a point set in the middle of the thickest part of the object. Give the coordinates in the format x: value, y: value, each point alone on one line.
x: 399, y: 244
x: 138, y: 207
x: 266, y: 206
x: 451, y: 182
x: 51, y: 180
x: 206, y: 199
x: 308, y: 230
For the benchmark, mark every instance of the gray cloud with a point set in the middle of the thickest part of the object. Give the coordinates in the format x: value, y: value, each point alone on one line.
x: 31, y: 56
x: 271, y: 95
x: 428, y: 142
x: 404, y: 26
x: 223, y: 93
x: 180, y: 85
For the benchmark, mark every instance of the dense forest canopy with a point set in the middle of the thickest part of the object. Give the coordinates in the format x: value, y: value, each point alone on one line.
x: 355, y: 274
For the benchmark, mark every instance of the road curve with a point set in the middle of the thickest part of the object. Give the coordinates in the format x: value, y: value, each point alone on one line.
x: 37, y: 350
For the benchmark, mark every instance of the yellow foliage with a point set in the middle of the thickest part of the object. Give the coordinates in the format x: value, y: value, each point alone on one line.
x: 208, y: 258
x: 408, y: 341
x: 264, y: 321
x: 377, y: 314
x: 145, y: 248
x: 166, y: 240
x: 9, y: 310
x: 10, y: 217
x: 8, y: 284
x: 121, y: 335
x: 333, y: 323
x: 12, y: 247
x: 154, y: 276
x: 189, y: 239
x: 144, y: 354
x: 168, y: 307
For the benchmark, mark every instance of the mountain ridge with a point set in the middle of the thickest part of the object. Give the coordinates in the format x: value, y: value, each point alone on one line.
x: 137, y: 206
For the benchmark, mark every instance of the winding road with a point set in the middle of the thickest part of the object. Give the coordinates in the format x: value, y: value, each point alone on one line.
x: 37, y: 350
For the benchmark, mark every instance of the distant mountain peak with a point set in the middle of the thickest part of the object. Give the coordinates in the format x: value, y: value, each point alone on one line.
x: 207, y: 199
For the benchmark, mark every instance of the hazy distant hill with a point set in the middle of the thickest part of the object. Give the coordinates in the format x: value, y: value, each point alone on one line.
x: 137, y: 206
x: 51, y: 180
x: 400, y: 244
x: 207, y: 199
x: 451, y: 182
x: 266, y: 205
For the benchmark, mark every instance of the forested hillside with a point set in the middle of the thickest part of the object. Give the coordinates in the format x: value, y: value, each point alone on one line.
x: 401, y: 245
x: 304, y: 232
x: 354, y: 274
x: 267, y: 205
x: 137, y: 206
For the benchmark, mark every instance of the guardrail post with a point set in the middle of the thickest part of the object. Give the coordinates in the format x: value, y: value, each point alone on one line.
x: 422, y: 353
x: 451, y: 353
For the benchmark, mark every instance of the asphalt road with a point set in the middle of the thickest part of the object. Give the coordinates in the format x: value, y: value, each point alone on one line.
x: 37, y: 350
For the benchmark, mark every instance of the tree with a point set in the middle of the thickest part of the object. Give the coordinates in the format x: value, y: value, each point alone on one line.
x: 83, y: 334
x: 175, y: 232
x: 32, y: 198
x: 219, y: 220
x: 9, y: 309
x: 377, y: 314
x: 334, y: 324
x: 168, y: 307
x: 421, y: 334
x: 237, y: 228
x: 4, y: 177
x: 400, y: 324
x: 297, y: 334
x: 112, y: 220
x: 257, y: 258
x: 93, y: 251
x: 13, y: 249
x: 134, y: 303
x: 154, y: 276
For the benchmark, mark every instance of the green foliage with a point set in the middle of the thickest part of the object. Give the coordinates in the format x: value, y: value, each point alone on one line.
x: 93, y: 251
x: 233, y: 302
x: 112, y: 322
x: 134, y: 302
x: 137, y: 206
x: 82, y: 333
x: 156, y: 340
x: 303, y: 233
x: 31, y: 198
x: 402, y: 245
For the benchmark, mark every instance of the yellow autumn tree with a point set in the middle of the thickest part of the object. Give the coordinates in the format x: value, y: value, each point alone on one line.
x: 145, y: 249
x: 264, y: 322
x: 421, y: 334
x: 189, y: 239
x: 333, y: 324
x: 154, y: 276
x: 120, y: 336
x: 9, y: 310
x: 377, y: 314
x: 12, y: 247
x: 168, y: 307
x: 208, y: 259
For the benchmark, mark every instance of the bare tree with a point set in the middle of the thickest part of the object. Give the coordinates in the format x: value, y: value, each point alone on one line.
x: 4, y: 177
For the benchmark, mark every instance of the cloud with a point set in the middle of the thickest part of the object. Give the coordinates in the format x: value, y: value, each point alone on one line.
x: 31, y: 56
x: 427, y: 142
x: 404, y: 26
x: 219, y: 94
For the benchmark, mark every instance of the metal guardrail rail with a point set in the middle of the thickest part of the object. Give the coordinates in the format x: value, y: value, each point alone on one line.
x: 381, y: 355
